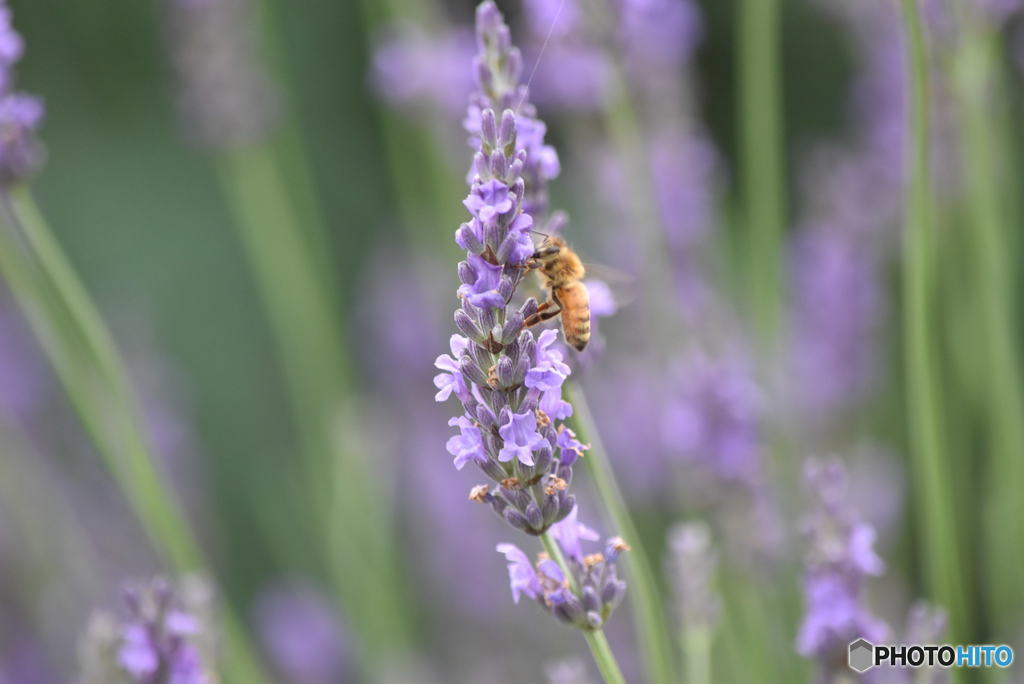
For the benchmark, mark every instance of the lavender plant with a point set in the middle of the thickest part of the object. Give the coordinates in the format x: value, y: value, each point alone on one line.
x: 165, y: 636
x: 692, y: 564
x: 21, y: 115
x: 840, y: 558
x: 508, y: 381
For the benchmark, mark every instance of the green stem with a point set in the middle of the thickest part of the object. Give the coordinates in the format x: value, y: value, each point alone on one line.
x: 696, y: 646
x: 596, y: 640
x: 982, y: 109
x: 313, y: 352
x: 79, y: 345
x: 763, y: 170
x: 934, y: 497
x: 648, y: 614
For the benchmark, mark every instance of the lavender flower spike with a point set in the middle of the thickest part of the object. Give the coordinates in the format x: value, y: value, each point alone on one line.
x: 599, y: 588
x: 508, y: 382
x: 21, y: 153
x: 839, y: 560
x: 500, y: 373
x: 164, y: 637
x: 691, y: 566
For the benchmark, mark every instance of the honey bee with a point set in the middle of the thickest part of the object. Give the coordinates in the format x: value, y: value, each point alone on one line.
x: 561, y: 273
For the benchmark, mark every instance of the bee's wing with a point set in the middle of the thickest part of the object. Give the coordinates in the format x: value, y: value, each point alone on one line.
x: 609, y: 274
x: 609, y: 288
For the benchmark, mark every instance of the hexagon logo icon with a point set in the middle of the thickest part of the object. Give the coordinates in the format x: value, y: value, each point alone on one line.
x: 861, y: 655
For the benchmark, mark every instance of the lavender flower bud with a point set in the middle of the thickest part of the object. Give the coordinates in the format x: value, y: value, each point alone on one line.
x: 566, y: 507
x: 510, y: 331
x: 472, y: 371
x: 507, y: 132
x: 498, y: 165
x: 466, y: 236
x: 467, y: 327
x: 613, y: 593
x: 535, y: 516
x: 550, y: 509
x: 517, y: 519
x: 506, y: 372
x: 528, y: 308
x: 542, y: 459
x: 467, y: 274
x: 570, y: 611
x: 493, y: 470
x: 489, y: 132
x: 506, y: 286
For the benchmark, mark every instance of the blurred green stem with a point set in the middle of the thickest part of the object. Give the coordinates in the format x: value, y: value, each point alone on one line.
x: 596, y: 639
x: 314, y: 355
x: 931, y: 473
x: 762, y: 164
x: 648, y: 614
x: 696, y: 646
x: 980, y: 97
x: 78, y: 343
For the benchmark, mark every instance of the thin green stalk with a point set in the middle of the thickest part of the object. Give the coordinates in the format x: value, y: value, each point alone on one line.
x: 979, y: 84
x: 648, y: 613
x: 762, y: 165
x: 931, y: 472
x: 696, y: 647
x: 313, y: 354
x: 74, y: 336
x: 596, y: 640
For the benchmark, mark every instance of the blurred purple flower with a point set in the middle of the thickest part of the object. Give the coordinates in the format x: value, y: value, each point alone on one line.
x: 836, y: 314
x: 11, y: 46
x: 410, y: 67
x: 713, y: 417
x: 164, y: 638
x: 659, y: 33
x: 839, y: 560
x: 302, y: 635
x: 557, y: 18
x: 570, y: 77
x: 21, y: 153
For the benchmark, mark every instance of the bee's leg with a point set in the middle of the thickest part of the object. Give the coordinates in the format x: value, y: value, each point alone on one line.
x: 543, y: 313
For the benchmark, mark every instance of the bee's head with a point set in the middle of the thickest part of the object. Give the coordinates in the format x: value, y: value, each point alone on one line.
x: 550, y: 248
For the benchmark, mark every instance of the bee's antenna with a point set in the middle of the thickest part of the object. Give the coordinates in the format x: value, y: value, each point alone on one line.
x: 539, y: 232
